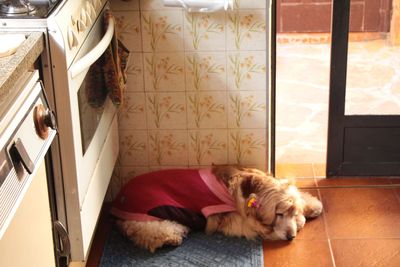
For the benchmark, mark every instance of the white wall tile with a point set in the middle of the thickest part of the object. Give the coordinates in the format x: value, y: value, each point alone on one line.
x: 207, y: 110
x: 247, y: 109
x: 207, y: 147
x: 135, y: 73
x: 168, y: 148
x: 132, y: 112
x: 162, y: 31
x: 246, y: 70
x: 164, y: 72
x: 204, y: 31
x: 166, y: 110
x: 129, y: 30
x: 121, y: 5
x: 205, y: 71
x: 133, y: 148
x: 247, y: 147
x: 246, y: 30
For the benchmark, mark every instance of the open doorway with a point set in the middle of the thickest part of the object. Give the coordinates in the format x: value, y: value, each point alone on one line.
x: 303, y: 69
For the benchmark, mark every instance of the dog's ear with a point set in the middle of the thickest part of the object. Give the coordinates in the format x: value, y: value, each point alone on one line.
x: 250, y: 184
x: 225, y: 173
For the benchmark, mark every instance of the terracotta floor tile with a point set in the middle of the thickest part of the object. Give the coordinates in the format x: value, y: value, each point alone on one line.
x: 314, y: 228
x: 298, y: 253
x: 352, y: 181
x: 305, y: 182
x: 366, y: 252
x: 361, y: 213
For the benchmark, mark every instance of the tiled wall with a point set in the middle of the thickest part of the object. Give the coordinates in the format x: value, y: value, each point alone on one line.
x: 196, y: 90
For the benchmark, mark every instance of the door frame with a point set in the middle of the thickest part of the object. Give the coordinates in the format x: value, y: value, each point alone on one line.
x: 337, y: 84
x: 341, y: 126
x: 271, y: 20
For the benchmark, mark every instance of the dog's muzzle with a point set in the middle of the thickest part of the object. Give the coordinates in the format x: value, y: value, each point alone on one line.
x: 289, y: 237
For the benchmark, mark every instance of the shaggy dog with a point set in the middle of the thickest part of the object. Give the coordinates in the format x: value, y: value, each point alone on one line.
x: 160, y: 208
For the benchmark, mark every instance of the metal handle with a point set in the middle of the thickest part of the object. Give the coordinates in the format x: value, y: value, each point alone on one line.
x: 94, y: 54
x: 65, y: 249
x: 18, y: 154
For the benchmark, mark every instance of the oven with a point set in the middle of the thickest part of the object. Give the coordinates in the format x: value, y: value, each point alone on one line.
x: 85, y: 150
x: 88, y: 131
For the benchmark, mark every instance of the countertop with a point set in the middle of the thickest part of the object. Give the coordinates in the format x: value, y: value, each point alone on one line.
x: 13, y: 66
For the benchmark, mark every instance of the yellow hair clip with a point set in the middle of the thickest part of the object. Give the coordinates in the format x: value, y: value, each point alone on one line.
x: 252, y: 203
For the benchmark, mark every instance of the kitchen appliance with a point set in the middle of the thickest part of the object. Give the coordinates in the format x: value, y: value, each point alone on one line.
x: 27, y: 128
x: 27, y: 8
x: 86, y: 148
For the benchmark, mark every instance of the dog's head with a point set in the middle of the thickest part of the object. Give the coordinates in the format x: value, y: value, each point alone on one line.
x: 277, y: 206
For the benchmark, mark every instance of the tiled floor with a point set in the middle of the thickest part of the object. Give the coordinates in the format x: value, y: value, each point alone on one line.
x: 359, y: 227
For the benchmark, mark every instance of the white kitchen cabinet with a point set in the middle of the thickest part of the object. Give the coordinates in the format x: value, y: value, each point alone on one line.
x: 28, y: 240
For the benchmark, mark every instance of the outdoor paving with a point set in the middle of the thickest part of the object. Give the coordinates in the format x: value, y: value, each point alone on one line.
x: 373, y: 87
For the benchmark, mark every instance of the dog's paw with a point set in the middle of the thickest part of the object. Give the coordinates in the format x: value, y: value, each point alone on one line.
x: 174, y: 240
x: 313, y: 210
x: 300, y: 221
x: 181, y: 230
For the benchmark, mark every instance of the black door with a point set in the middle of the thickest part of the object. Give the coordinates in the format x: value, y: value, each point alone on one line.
x: 362, y: 141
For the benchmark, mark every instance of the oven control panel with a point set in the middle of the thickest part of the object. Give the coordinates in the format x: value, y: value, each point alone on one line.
x: 21, y: 148
x: 74, y: 21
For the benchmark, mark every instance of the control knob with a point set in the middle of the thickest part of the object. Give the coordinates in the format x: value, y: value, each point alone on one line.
x: 44, y: 119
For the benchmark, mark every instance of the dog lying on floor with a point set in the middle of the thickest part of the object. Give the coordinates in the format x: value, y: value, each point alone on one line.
x: 161, y: 207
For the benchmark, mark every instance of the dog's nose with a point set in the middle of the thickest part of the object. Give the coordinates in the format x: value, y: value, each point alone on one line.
x: 289, y: 237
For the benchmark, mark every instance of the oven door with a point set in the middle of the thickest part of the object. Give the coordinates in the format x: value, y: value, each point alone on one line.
x: 88, y: 136
x: 92, y: 110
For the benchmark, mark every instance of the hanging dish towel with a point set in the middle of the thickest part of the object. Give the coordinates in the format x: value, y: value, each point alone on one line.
x: 95, y: 90
x: 115, y: 60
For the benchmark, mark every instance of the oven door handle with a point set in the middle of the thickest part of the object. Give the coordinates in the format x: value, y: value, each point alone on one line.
x: 86, y: 61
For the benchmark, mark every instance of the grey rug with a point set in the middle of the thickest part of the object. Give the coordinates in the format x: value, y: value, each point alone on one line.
x: 198, y: 249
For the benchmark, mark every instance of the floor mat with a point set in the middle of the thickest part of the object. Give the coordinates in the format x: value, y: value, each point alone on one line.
x: 198, y: 249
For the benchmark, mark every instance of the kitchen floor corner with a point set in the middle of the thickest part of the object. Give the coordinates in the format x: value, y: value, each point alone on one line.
x: 359, y: 227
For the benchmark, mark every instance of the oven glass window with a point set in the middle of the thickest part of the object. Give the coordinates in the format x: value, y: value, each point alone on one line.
x: 91, y: 96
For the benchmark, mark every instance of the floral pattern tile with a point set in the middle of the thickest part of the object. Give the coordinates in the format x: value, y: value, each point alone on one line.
x: 134, y: 73
x: 207, y: 110
x: 205, y: 71
x: 207, y: 147
x: 246, y: 30
x: 249, y: 4
x: 196, y: 88
x: 128, y: 29
x: 247, y: 147
x: 164, y: 72
x: 247, y: 109
x: 133, y: 148
x: 121, y: 5
x: 204, y: 31
x: 162, y: 31
x: 247, y: 70
x: 166, y: 110
x: 168, y: 148
x: 132, y: 113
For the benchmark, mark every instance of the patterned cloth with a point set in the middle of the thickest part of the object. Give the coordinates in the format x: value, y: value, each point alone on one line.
x: 187, y: 196
x: 115, y: 59
x: 107, y: 75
